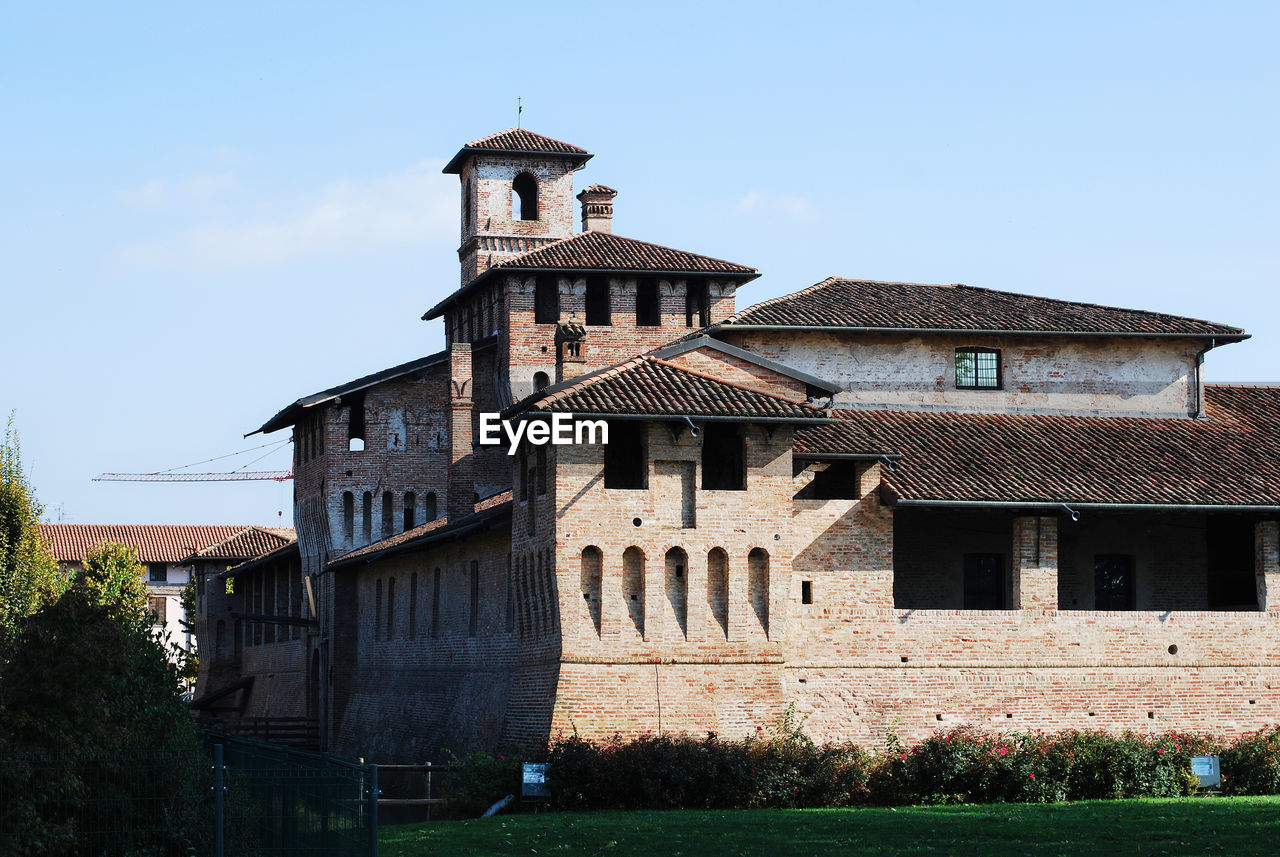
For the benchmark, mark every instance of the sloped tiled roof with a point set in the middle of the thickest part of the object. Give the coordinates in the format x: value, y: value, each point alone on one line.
x: 604, y: 251
x: 516, y: 140
x: 648, y: 386
x: 876, y: 306
x: 248, y: 543
x: 153, y: 542
x: 1230, y: 458
x: 488, y: 511
x: 290, y: 414
x: 289, y: 548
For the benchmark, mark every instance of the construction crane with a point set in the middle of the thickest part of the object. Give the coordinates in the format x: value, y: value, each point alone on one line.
x: 240, y: 475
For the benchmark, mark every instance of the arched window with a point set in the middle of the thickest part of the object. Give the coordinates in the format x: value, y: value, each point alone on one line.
x: 429, y: 507
x: 410, y: 500
x: 388, y: 515
x: 524, y: 198
x: 540, y: 381
x: 718, y: 588
x: 758, y: 585
x: 592, y: 563
x: 348, y: 515
x: 633, y: 585
x: 366, y: 514
x: 677, y: 585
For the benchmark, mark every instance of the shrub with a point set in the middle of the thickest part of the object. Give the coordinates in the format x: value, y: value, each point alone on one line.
x: 479, y: 781
x: 1251, y: 765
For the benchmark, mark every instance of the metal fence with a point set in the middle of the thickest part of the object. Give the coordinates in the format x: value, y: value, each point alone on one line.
x: 237, y: 797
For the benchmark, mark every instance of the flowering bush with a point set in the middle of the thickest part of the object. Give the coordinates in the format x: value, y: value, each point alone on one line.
x: 780, y: 766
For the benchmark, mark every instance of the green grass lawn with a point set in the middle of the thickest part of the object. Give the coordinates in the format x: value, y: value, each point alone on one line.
x: 1188, y: 826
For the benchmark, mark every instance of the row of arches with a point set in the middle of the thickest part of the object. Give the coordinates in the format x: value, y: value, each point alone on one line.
x: 712, y: 594
x: 410, y: 514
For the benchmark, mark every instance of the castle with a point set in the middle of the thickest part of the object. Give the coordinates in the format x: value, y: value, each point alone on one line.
x: 893, y: 505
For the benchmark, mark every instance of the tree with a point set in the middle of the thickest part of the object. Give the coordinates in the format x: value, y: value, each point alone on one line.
x: 29, y: 576
x: 190, y: 662
x: 112, y: 578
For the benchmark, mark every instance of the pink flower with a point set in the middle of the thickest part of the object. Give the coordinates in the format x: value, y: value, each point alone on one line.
x: 904, y: 755
x: 1161, y: 750
x: 1032, y: 776
x: 1004, y: 751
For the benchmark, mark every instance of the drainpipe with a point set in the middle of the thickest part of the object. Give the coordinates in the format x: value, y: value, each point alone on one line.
x: 1198, y: 411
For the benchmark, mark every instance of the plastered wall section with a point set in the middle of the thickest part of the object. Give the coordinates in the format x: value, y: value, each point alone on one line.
x: 1094, y: 375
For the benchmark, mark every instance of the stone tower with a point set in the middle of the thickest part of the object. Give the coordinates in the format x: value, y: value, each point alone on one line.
x: 517, y: 195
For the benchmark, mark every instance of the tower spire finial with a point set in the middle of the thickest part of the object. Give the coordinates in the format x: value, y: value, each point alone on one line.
x: 519, y: 111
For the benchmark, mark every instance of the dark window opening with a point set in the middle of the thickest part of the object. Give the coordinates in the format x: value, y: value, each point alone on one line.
x: 355, y: 422
x: 429, y: 507
x: 978, y: 369
x: 648, y: 308
x: 473, y: 623
x: 435, y: 603
x: 366, y: 516
x: 983, y: 581
x: 1113, y: 582
x: 466, y: 205
x: 597, y: 301
x: 540, y: 462
x: 546, y: 300
x: 524, y: 204
x: 697, y: 304
x: 348, y: 515
x: 388, y: 514
x: 837, y: 481
x: 806, y: 592
x: 540, y: 381
x: 158, y: 572
x: 410, y: 500
x: 391, y: 607
x: 626, y: 464
x: 1233, y: 583
x: 724, y: 466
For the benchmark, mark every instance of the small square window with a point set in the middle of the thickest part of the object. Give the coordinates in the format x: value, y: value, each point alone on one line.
x: 159, y: 572
x: 978, y: 369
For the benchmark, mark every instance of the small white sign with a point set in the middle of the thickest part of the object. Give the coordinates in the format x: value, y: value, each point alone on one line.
x: 1206, y: 769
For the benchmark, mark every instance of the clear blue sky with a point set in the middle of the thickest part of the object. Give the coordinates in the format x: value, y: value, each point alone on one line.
x: 213, y: 209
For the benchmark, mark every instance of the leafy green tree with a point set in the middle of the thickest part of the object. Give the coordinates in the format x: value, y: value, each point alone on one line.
x: 112, y: 578
x: 29, y: 576
x: 190, y: 663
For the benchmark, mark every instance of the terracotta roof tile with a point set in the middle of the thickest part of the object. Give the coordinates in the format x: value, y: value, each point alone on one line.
x: 1230, y: 458
x: 487, y: 510
x: 648, y: 386
x: 872, y: 305
x: 604, y: 251
x: 516, y: 140
x: 154, y: 542
x: 249, y: 543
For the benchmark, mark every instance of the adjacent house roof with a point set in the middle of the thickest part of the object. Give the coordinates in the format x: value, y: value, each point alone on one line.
x: 248, y: 543
x: 865, y: 305
x: 604, y: 251
x: 489, y: 512
x: 290, y: 414
x: 650, y: 387
x: 1231, y: 458
x: 288, y: 549
x: 516, y: 141
x: 153, y: 542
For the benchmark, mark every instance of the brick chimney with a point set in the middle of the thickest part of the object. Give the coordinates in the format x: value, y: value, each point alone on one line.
x: 462, y: 489
x: 597, y: 208
x: 571, y: 349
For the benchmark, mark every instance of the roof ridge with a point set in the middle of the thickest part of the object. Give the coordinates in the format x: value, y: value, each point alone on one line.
x: 726, y: 382
x: 806, y: 290
x: 517, y: 128
x: 1090, y: 304
x: 607, y: 237
x: 592, y: 378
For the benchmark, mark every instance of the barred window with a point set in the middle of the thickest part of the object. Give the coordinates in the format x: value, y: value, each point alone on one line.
x: 978, y: 369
